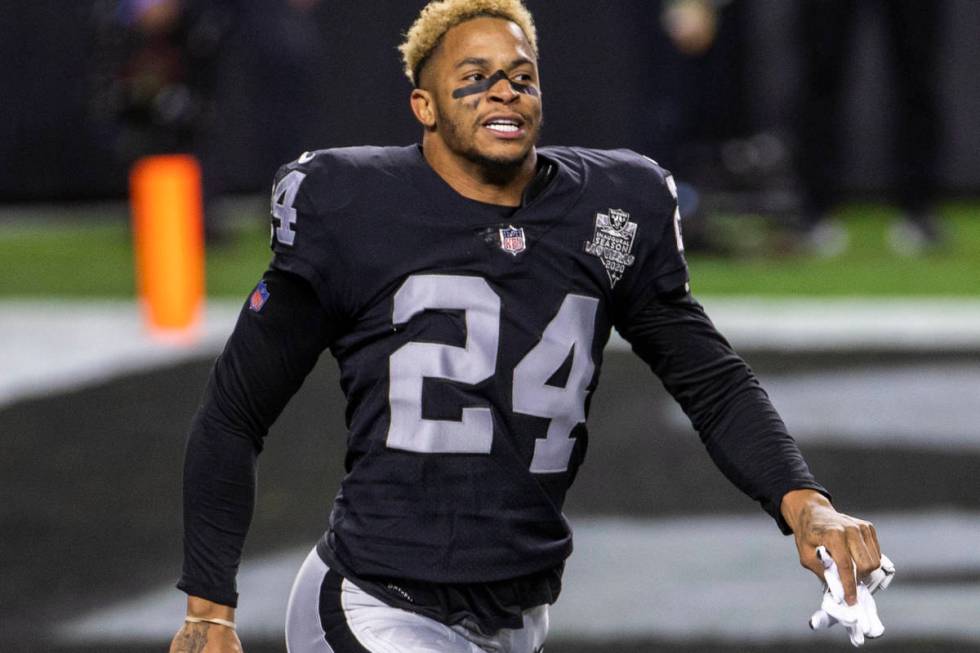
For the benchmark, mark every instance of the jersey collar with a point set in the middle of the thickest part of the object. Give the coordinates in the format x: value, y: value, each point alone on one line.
x: 553, y: 190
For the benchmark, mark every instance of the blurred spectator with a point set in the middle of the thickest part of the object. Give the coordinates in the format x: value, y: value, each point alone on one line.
x: 696, y: 79
x: 691, y: 86
x: 169, y: 70
x: 912, y: 37
x: 699, y: 109
x: 167, y: 78
x: 163, y: 78
x: 284, y: 53
x: 691, y: 24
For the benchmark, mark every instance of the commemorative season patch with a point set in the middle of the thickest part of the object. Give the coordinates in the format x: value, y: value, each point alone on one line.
x: 512, y: 240
x: 613, y: 242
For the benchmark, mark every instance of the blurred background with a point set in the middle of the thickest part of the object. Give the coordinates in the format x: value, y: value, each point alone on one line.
x: 828, y: 158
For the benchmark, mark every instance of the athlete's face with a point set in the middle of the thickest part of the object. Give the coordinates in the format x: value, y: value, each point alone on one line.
x: 485, y: 99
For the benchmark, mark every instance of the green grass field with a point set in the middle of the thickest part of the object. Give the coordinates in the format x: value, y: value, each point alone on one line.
x: 47, y: 253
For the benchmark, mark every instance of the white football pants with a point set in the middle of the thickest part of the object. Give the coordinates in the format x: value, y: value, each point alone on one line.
x: 329, y: 614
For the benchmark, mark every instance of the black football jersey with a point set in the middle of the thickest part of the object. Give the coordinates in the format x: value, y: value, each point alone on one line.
x: 471, y: 342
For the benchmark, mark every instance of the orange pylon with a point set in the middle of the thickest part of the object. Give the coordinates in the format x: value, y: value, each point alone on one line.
x: 168, y: 230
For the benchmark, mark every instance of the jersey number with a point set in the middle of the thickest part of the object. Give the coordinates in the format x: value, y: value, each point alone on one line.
x: 569, y: 333
x: 283, y: 196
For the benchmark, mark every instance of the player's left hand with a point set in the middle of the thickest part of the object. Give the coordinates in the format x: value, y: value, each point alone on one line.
x: 852, y: 543
x: 859, y: 620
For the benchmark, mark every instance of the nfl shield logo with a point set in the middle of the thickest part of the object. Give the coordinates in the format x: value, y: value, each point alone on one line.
x: 259, y: 297
x: 512, y: 239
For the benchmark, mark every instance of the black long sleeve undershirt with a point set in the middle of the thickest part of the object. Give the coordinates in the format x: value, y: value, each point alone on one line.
x: 733, y: 415
x: 263, y: 364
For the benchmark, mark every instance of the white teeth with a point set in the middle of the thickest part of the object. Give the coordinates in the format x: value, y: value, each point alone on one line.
x: 501, y: 126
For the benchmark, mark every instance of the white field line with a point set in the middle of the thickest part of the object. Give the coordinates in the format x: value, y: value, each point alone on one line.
x: 54, y: 346
x: 726, y: 578
x: 852, y: 324
x: 925, y: 406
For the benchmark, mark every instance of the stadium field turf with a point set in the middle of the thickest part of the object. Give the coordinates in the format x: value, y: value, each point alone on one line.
x: 85, y: 251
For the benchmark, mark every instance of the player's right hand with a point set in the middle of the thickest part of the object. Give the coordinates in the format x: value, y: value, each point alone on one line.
x: 205, y: 638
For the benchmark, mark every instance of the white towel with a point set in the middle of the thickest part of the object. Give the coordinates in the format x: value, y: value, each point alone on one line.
x: 861, y: 619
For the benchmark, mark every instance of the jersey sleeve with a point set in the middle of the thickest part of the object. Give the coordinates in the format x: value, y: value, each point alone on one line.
x: 660, y: 268
x: 740, y: 428
x: 278, y: 338
x: 308, y: 235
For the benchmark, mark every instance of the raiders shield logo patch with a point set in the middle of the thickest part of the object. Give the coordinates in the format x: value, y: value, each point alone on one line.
x: 612, y: 242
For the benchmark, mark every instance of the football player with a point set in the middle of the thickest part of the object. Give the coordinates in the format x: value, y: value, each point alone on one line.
x: 467, y: 286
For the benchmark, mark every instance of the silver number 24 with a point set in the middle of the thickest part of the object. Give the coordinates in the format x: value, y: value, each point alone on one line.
x: 571, y: 330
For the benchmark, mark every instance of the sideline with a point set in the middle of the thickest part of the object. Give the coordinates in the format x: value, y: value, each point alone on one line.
x: 56, y: 346
x: 726, y: 578
x: 926, y: 324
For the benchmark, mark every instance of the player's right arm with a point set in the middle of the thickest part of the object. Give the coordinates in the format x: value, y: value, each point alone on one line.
x: 204, y: 636
x: 278, y: 338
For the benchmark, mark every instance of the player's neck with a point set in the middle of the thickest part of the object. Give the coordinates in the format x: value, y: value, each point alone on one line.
x: 477, y: 182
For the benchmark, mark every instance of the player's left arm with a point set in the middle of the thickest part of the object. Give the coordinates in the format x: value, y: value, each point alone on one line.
x: 740, y: 428
x: 852, y: 542
x: 743, y: 433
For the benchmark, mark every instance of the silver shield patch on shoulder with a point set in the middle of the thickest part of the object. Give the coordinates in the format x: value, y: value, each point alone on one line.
x: 612, y: 242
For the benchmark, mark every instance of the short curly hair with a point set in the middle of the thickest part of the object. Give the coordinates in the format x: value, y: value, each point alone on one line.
x: 439, y: 16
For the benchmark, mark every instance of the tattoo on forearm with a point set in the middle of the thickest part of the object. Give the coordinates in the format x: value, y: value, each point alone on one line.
x: 193, y: 639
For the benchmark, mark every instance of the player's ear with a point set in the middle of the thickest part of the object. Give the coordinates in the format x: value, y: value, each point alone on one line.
x: 421, y: 101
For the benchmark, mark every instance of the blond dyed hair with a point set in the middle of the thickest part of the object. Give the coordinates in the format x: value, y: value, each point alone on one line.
x: 439, y: 16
